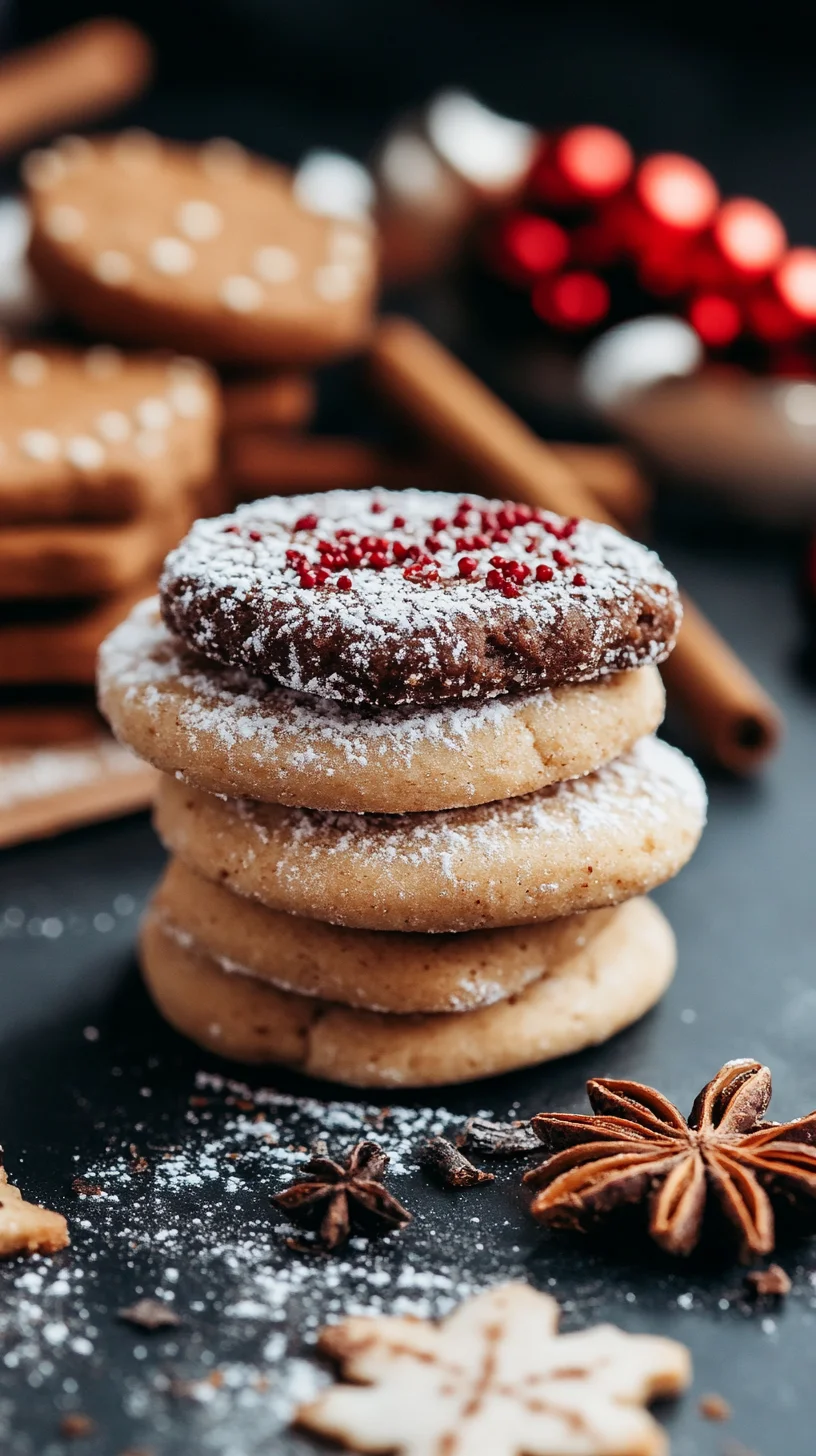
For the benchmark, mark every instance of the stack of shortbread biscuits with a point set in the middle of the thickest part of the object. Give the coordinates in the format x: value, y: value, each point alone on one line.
x: 410, y: 787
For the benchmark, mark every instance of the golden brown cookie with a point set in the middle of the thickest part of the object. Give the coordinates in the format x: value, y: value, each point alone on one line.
x: 37, y: 715
x: 592, y: 995
x: 99, y: 435
x: 381, y: 598
x: 372, y: 969
x: 230, y: 733
x: 198, y: 247
x: 573, y: 846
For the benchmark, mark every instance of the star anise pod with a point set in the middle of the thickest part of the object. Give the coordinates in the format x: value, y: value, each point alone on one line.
x: 338, y: 1197
x: 639, y: 1148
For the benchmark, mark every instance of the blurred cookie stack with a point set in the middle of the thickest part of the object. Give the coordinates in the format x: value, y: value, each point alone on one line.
x: 207, y: 249
x: 104, y: 461
x: 409, y: 783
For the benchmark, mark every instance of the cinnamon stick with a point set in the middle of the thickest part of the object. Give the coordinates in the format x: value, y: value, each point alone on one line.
x: 733, y: 715
x: 260, y: 463
x: 71, y: 78
x: 613, y: 476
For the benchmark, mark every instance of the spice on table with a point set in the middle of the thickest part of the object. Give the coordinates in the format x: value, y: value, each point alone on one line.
x: 639, y: 1149
x: 150, y: 1314
x: 498, y: 1139
x: 770, y: 1283
x: 450, y: 1165
x: 337, y: 1198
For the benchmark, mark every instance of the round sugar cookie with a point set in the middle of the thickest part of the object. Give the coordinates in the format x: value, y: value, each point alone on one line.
x: 203, y: 248
x: 384, y: 597
x: 573, y: 846
x: 598, y: 991
x: 229, y: 733
x: 373, y: 969
x: 95, y: 434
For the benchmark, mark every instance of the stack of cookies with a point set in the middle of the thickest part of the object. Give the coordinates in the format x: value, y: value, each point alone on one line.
x: 103, y: 459
x: 409, y: 783
x: 207, y: 249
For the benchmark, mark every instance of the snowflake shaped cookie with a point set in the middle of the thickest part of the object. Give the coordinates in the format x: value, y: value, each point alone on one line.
x: 496, y: 1379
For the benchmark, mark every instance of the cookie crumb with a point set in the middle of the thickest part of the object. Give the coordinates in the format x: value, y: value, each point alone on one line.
x: 714, y: 1407
x: 769, y: 1283
x: 150, y: 1314
x: 76, y: 1426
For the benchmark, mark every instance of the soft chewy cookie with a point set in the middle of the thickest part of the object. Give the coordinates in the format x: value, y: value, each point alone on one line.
x: 203, y: 248
x: 381, y: 597
x: 86, y: 558
x: 230, y: 733
x: 373, y: 969
x: 593, y: 994
x: 101, y: 435
x: 574, y: 846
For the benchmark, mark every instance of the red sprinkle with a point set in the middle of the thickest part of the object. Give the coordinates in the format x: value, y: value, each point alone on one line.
x: 494, y: 579
x: 499, y: 561
x: 306, y: 523
x: 354, y: 555
x: 544, y: 572
x: 517, y: 571
x: 467, y: 565
x: 322, y: 575
x: 231, y: 530
x: 509, y: 589
x: 569, y: 528
x: 579, y: 579
x: 561, y: 559
x: 433, y: 543
x: 400, y: 550
x: 377, y: 508
x: 344, y: 583
x: 501, y: 536
x: 398, y: 522
x: 439, y: 523
x: 308, y: 578
x: 378, y: 560
x: 255, y: 535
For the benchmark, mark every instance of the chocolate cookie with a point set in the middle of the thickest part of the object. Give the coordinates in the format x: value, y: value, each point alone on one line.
x: 229, y: 733
x: 382, y: 597
x: 98, y: 435
x: 202, y: 248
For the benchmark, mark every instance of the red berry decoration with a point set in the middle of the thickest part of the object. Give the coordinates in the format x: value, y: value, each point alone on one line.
x: 467, y: 565
x: 544, y: 572
x: 344, y: 583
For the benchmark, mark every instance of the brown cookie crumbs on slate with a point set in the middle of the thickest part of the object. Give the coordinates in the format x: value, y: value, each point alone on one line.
x: 770, y: 1283
x: 450, y: 1166
x: 383, y: 598
x: 85, y: 1189
x: 76, y: 1427
x: 498, y: 1139
x: 138, y: 1163
x: 714, y: 1407
x: 150, y: 1314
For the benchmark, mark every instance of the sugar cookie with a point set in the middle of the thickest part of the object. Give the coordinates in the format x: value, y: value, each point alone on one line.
x: 203, y: 248
x: 372, y: 969
x: 384, y: 597
x: 573, y: 846
x: 229, y: 733
x: 604, y: 987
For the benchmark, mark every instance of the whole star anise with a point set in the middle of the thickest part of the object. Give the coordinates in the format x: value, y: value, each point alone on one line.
x: 339, y: 1197
x: 638, y: 1148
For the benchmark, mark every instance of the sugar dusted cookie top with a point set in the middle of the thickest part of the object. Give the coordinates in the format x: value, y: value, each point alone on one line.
x: 203, y: 248
x: 382, y: 597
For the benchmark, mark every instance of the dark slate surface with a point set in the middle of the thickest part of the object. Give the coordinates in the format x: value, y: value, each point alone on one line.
x: 745, y: 916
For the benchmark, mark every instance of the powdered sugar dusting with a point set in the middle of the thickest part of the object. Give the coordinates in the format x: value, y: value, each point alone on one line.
x: 145, y: 660
x: 271, y: 588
